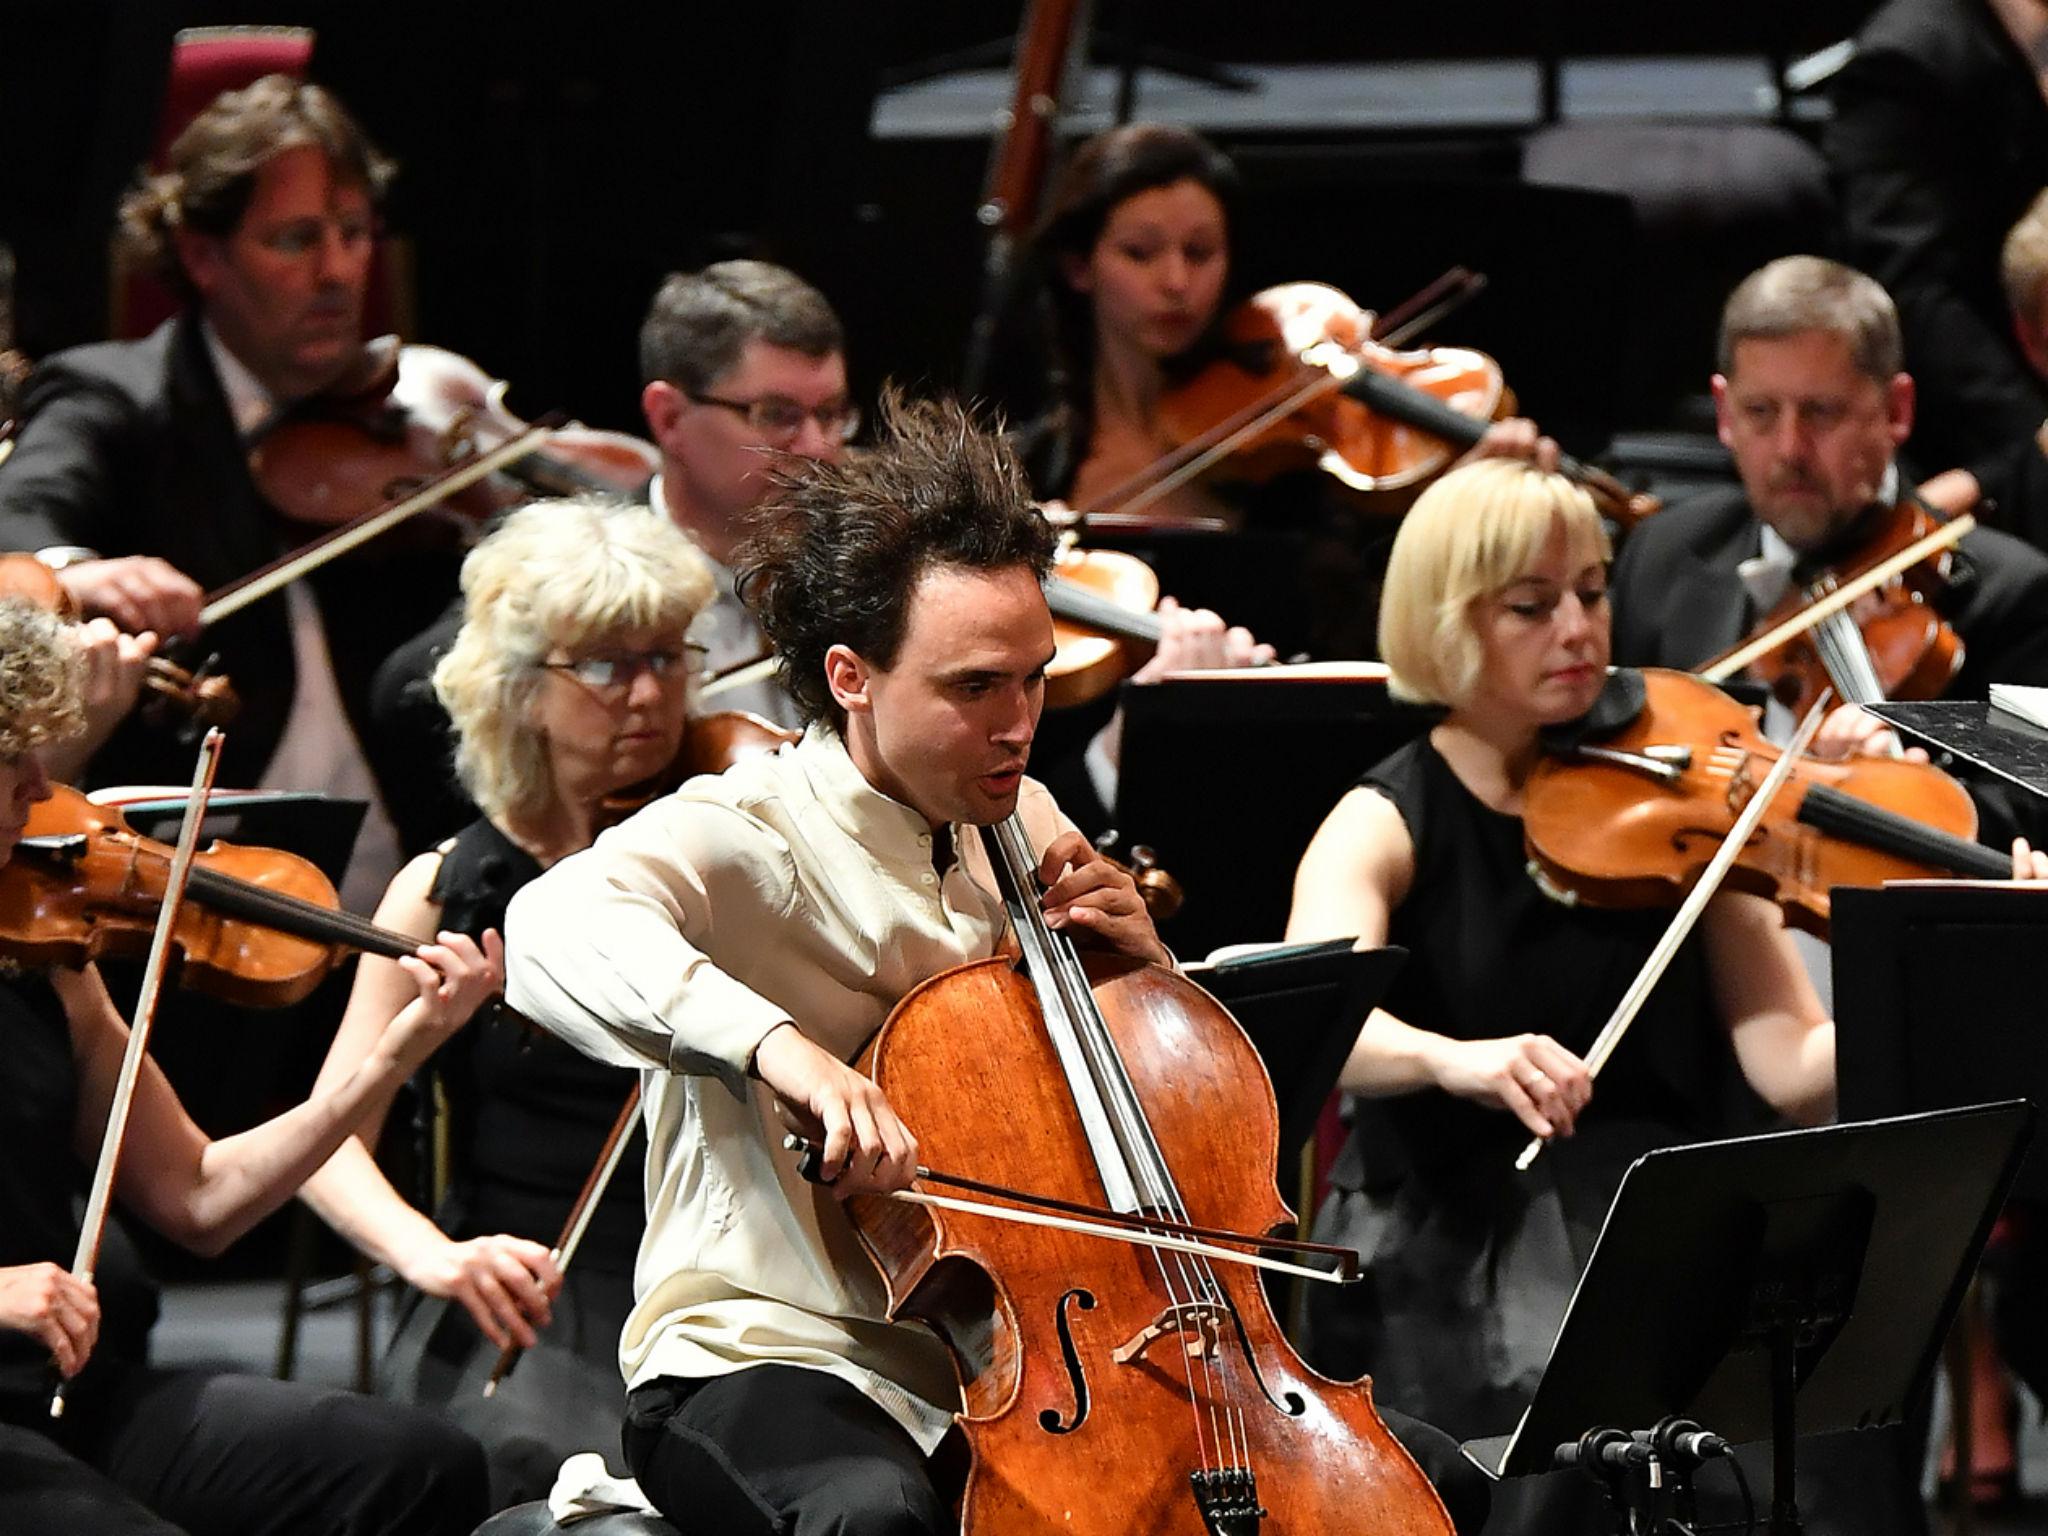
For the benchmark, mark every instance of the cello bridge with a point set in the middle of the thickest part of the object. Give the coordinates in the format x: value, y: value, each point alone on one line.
x: 1199, y: 1320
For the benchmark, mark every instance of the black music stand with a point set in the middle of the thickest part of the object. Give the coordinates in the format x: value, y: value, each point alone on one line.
x: 1201, y: 754
x: 1302, y: 1005
x: 1937, y: 992
x: 319, y: 828
x: 1772, y: 1286
x: 1978, y: 732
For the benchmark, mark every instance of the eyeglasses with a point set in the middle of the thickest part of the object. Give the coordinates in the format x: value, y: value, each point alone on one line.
x: 778, y: 419
x: 615, y: 673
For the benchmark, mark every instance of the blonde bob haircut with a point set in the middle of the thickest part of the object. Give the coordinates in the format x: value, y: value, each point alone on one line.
x: 41, y: 687
x: 1468, y: 537
x: 567, y: 575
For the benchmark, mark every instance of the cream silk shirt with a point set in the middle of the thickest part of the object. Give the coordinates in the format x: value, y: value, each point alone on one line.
x: 786, y: 889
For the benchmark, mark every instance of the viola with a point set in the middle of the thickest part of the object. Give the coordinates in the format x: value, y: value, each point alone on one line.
x: 1300, y: 384
x: 1889, y: 643
x: 418, y: 412
x: 1110, y: 1387
x: 1627, y: 811
x: 711, y: 744
x: 202, y: 697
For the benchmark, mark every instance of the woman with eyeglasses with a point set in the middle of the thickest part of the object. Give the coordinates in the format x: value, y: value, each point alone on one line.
x: 568, y: 681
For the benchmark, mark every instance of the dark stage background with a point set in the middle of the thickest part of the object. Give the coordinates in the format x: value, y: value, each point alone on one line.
x: 557, y: 160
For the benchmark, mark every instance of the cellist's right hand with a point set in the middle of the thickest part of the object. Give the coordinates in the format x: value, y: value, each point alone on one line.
x: 52, y: 1305
x: 138, y: 592
x: 866, y: 1149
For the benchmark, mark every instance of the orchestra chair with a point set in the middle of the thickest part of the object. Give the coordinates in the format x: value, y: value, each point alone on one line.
x: 204, y: 62
x: 1712, y: 203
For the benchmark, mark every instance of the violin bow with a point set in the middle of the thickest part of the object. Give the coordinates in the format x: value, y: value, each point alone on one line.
x: 260, y: 583
x: 608, y: 1160
x: 1096, y: 1221
x: 1841, y: 597
x: 93, y: 1227
x: 1695, y: 903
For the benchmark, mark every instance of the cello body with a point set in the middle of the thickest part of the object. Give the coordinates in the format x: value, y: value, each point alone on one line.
x: 1112, y: 1390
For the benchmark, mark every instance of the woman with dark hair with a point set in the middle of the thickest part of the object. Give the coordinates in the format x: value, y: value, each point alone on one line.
x: 1137, y: 275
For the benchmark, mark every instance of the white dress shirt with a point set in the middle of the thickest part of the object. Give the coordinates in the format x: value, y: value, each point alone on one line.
x: 787, y: 889
x: 317, y: 750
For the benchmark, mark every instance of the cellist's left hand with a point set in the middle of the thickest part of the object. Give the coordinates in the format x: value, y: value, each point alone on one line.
x: 1088, y: 894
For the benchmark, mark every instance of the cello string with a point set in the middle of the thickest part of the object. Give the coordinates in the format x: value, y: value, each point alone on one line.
x: 1197, y: 1276
x: 1016, y: 874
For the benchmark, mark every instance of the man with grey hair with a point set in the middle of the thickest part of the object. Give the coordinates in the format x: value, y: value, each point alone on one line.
x: 1813, y: 403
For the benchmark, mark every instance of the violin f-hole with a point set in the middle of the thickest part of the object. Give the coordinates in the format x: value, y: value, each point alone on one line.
x: 1050, y: 1419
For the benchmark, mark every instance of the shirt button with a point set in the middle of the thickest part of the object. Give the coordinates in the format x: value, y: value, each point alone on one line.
x: 928, y: 878
x: 924, y: 840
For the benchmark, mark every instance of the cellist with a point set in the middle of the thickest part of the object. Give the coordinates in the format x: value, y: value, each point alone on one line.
x: 739, y: 940
x: 142, y: 1449
x: 130, y: 474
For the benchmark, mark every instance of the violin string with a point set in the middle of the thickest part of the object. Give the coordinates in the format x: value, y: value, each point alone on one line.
x: 260, y: 902
x: 1847, y: 659
x: 1323, y: 383
x: 1016, y: 871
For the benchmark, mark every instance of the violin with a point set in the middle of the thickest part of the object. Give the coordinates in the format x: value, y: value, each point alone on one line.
x: 260, y: 927
x: 414, y: 412
x: 1891, y: 642
x: 1124, y: 1379
x: 204, y: 698
x: 1300, y: 383
x: 1627, y: 810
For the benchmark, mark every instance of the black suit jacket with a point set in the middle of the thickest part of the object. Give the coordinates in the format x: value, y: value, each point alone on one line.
x: 129, y: 448
x: 1679, y: 602
x: 1939, y: 142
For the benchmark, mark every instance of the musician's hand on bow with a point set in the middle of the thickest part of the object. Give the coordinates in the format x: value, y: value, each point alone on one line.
x: 138, y: 592
x: 1852, y: 731
x: 53, y: 1306
x: 455, y: 976
x: 112, y: 665
x: 1087, y: 893
x: 866, y: 1149
x: 1535, y: 1079
x: 2028, y: 862
x: 505, y: 1283
x: 1515, y: 438
x: 1196, y: 640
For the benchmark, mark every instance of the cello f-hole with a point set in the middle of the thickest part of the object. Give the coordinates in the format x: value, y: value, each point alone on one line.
x: 1050, y: 1419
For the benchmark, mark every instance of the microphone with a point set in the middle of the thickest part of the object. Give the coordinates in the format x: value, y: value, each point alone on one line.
x: 1682, y: 1442
x: 1603, y: 1450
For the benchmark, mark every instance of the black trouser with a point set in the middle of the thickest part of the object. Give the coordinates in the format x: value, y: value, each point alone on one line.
x: 780, y: 1451
x: 164, y: 1452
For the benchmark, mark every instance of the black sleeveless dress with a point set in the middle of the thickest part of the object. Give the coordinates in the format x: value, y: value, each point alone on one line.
x: 526, y: 1117
x: 1471, y: 1265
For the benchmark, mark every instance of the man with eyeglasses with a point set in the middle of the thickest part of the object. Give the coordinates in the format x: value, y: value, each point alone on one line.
x: 742, y: 364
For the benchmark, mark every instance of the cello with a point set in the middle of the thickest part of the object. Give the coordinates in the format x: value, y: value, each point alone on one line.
x: 1107, y: 1388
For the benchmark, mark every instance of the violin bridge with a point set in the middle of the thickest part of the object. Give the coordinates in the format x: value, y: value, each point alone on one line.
x: 1198, y: 1319
x: 1229, y: 1500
